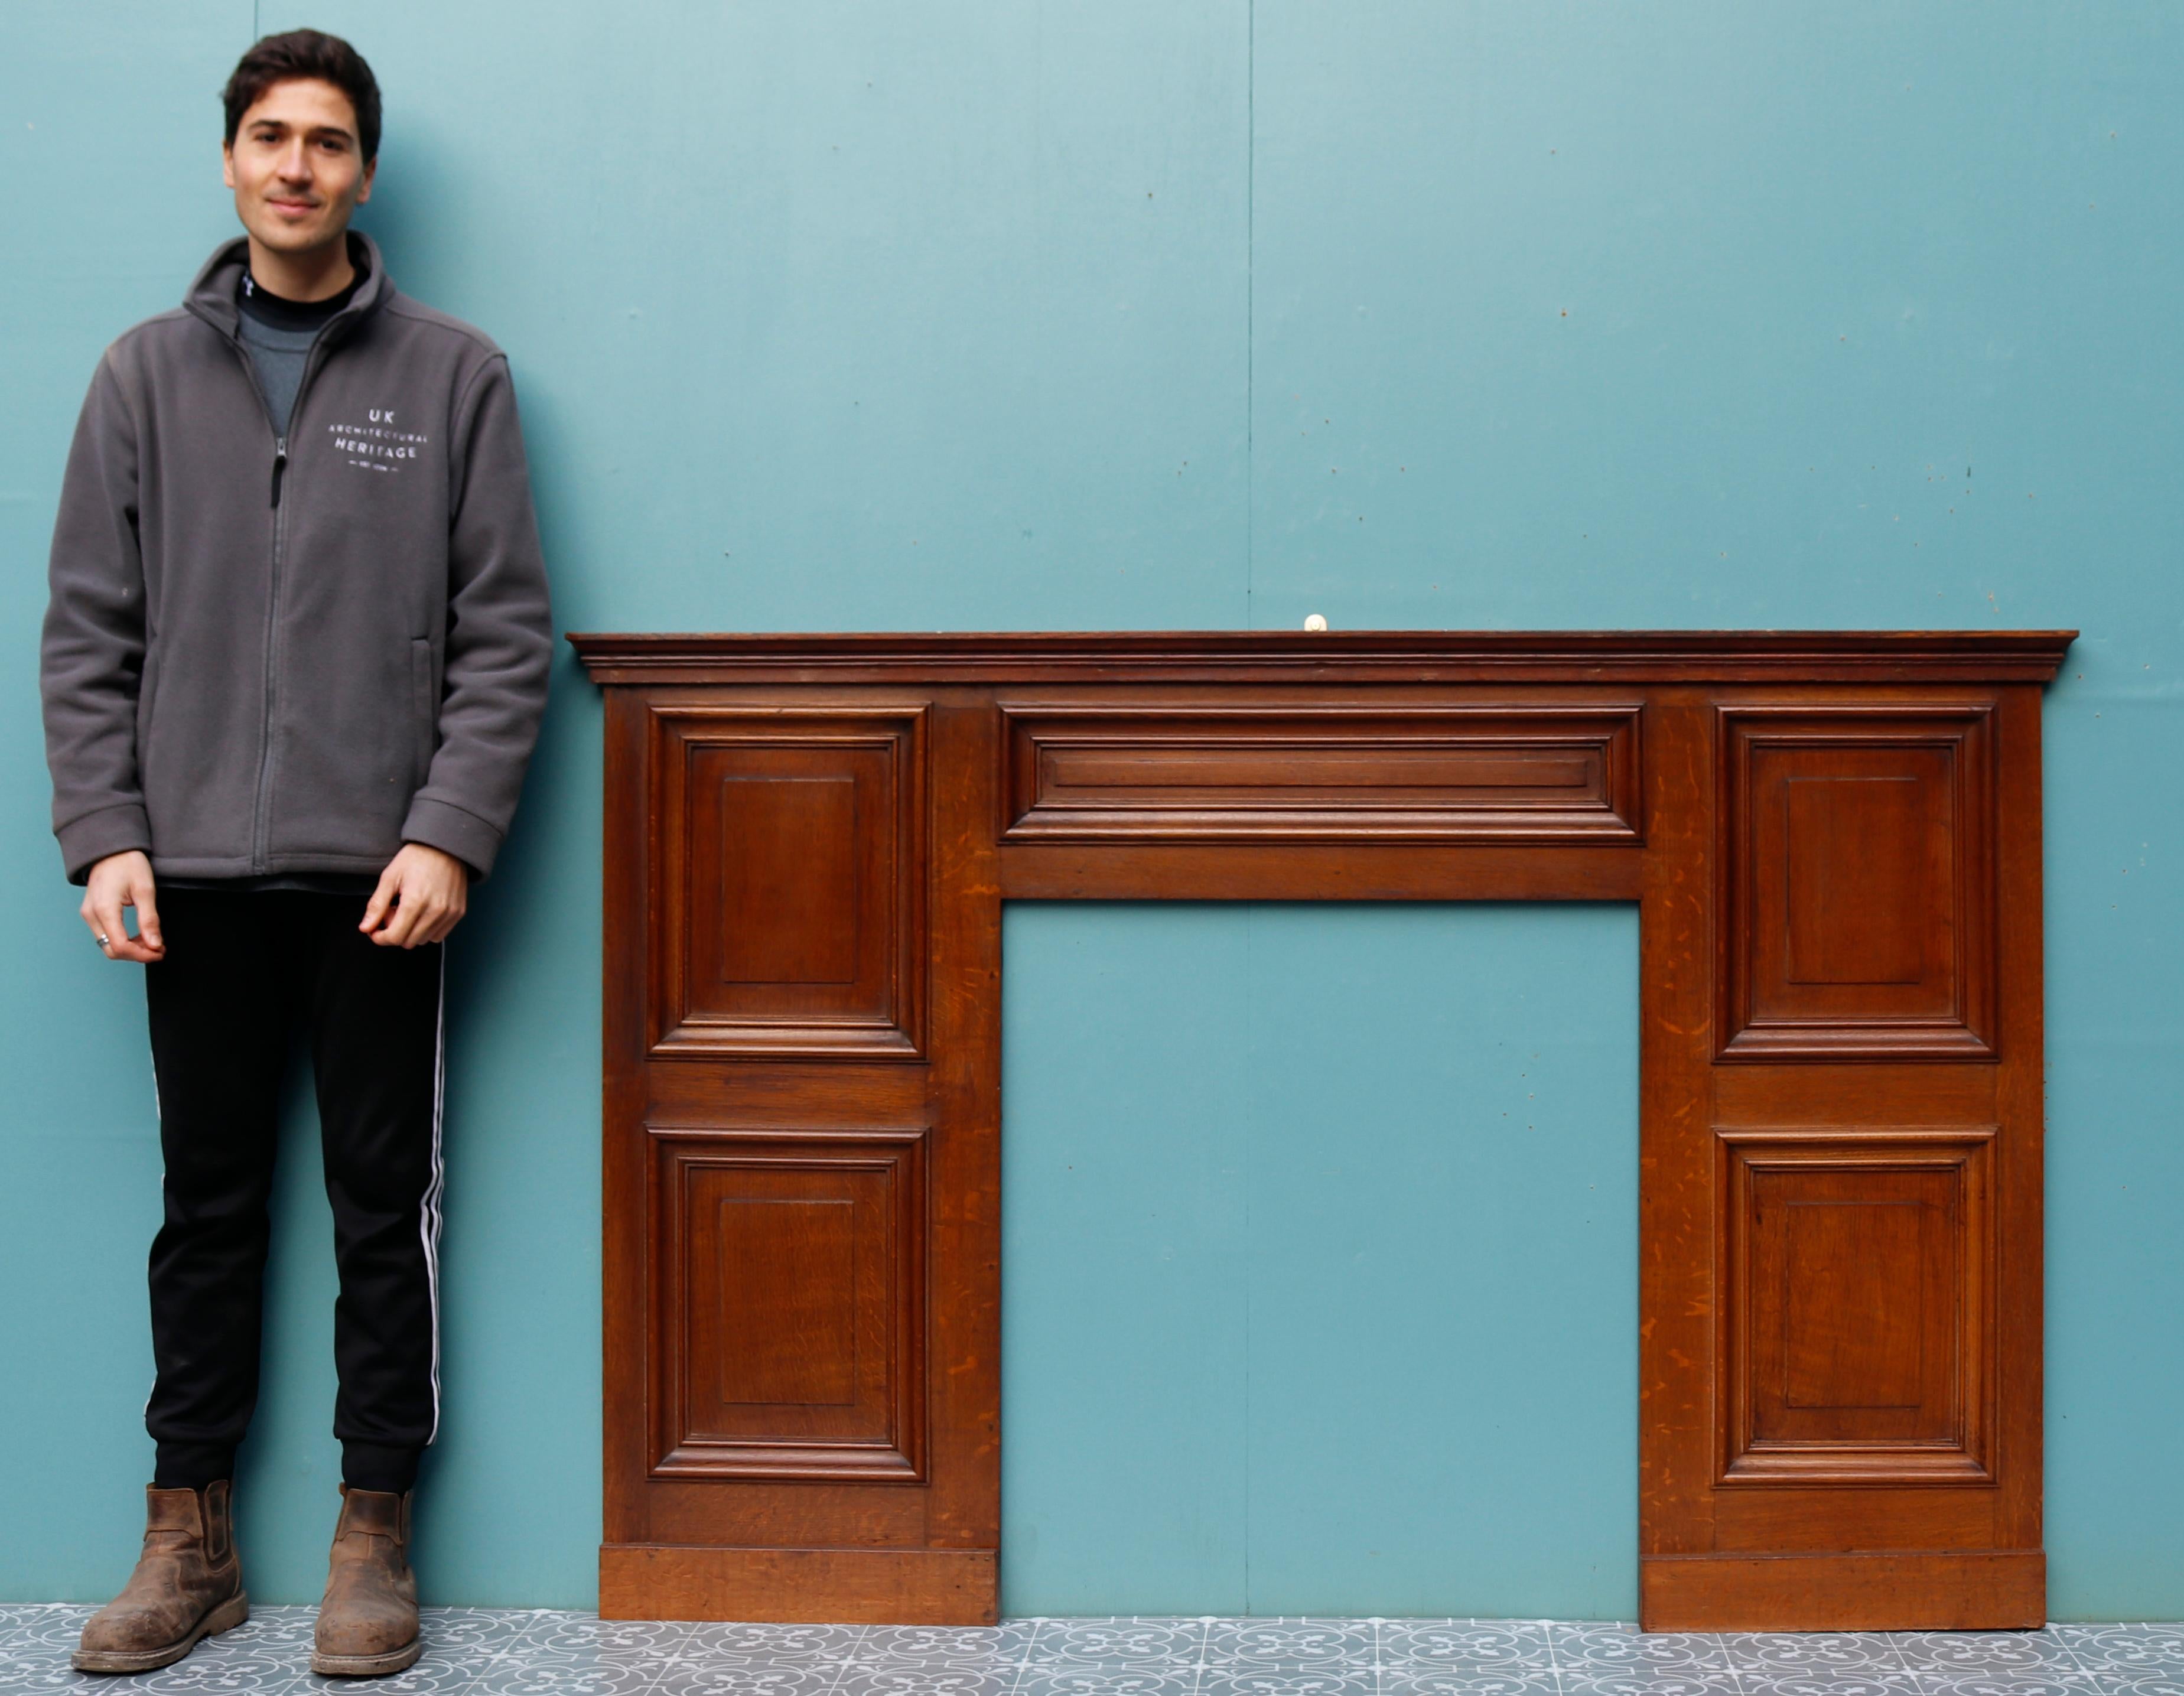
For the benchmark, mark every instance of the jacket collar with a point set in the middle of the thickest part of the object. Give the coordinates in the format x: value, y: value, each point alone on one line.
x: 211, y: 294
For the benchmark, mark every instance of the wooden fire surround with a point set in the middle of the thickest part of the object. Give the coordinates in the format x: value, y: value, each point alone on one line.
x: 1834, y: 843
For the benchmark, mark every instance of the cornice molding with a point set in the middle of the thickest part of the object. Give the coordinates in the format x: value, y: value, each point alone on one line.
x: 1332, y: 656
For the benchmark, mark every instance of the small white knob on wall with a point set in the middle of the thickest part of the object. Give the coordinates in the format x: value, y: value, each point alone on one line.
x: 1315, y: 620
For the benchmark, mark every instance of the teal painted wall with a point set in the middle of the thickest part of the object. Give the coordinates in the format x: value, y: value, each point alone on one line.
x: 1012, y: 315
x: 1320, y: 1250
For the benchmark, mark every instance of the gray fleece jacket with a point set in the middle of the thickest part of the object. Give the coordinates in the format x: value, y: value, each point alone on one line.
x: 266, y: 654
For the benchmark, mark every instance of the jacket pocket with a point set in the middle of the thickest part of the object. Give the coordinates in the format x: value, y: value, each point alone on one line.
x: 148, y: 694
x: 424, y: 711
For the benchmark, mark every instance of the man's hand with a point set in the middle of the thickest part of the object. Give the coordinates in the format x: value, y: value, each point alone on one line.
x: 422, y: 895
x: 118, y: 881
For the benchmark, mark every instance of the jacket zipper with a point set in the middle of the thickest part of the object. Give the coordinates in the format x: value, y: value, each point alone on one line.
x: 261, y: 824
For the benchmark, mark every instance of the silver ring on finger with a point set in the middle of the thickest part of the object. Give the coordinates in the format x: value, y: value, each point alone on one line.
x: 103, y: 942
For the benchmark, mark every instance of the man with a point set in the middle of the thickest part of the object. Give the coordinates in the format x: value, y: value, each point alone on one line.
x: 294, y: 662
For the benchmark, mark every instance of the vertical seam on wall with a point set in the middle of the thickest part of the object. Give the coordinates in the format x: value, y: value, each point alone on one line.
x: 1251, y: 273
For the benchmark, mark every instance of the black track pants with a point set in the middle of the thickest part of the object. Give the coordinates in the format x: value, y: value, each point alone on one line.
x: 242, y: 971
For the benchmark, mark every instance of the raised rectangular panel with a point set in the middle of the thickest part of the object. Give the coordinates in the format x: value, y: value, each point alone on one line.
x: 788, y: 1303
x: 1304, y: 773
x: 1853, y: 1291
x: 799, y: 1346
x: 1859, y: 878
x: 1858, y: 1341
x: 1862, y: 844
x: 788, y: 853
x: 789, y: 918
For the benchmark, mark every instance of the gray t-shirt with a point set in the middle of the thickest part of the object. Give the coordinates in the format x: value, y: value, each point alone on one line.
x: 277, y: 358
x: 279, y: 334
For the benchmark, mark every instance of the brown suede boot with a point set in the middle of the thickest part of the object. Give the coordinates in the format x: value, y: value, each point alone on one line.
x: 187, y: 1584
x: 368, y: 1617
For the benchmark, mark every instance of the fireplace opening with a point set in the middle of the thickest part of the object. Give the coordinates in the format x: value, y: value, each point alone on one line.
x: 1319, y: 1269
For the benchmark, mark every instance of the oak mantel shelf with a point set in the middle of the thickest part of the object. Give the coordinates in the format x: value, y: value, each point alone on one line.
x: 1339, y: 655
x: 1833, y: 840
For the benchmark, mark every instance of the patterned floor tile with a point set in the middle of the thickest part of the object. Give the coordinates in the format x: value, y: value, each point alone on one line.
x: 45, y: 1628
x: 914, y: 1676
x: 275, y: 1627
x: 215, y: 1666
x: 1987, y: 1653
x: 1481, y: 1643
x: 31, y: 1673
x: 582, y: 1633
x: 1416, y: 1679
x: 584, y: 1637
x: 1783, y: 1654
x: 1297, y: 1643
x: 512, y: 1676
x: 28, y: 1621
x: 1334, y: 1678
x: 1615, y: 1647
x: 745, y: 1679
x: 500, y: 1652
x: 1119, y: 1642
x: 1113, y: 1678
x: 469, y: 1630
x: 2164, y: 1637
x: 778, y: 1644
x: 1005, y: 1641
x: 2140, y: 1648
x: 556, y: 1653
x: 1656, y: 1681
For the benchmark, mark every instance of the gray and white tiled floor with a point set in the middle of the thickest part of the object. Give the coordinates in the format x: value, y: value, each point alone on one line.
x: 481, y: 1652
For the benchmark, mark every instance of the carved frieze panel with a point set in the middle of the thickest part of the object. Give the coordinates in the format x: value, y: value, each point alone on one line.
x: 1857, y: 1344
x: 1186, y: 773
x: 1859, y: 881
x: 789, y: 916
x: 788, y: 1303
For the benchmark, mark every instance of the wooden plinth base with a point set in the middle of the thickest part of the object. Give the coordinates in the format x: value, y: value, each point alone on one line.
x: 1947, y: 1592
x: 844, y: 1586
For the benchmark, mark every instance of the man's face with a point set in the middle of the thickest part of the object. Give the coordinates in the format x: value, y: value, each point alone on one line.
x: 296, y: 168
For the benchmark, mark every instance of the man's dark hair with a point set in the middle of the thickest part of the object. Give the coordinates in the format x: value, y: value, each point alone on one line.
x: 306, y: 53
